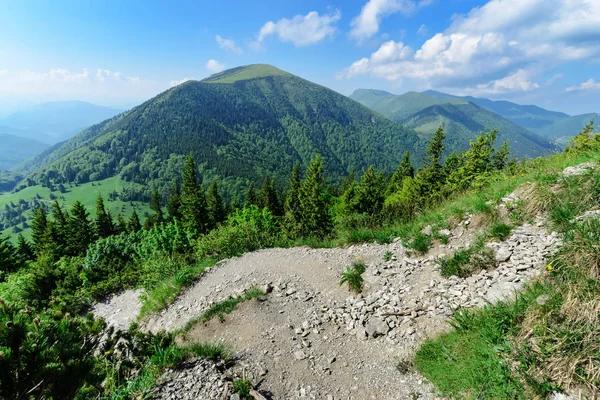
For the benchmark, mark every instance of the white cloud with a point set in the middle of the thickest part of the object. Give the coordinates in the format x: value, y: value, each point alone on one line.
x: 214, y: 66
x: 502, y: 46
x: 228, y: 44
x: 3, y: 72
x: 590, y: 84
x: 178, y: 82
x: 302, y: 30
x: 422, y: 30
x: 106, y: 74
x: 366, y: 24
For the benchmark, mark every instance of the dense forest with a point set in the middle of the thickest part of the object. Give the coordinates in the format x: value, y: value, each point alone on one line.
x: 74, y: 258
x: 257, y: 121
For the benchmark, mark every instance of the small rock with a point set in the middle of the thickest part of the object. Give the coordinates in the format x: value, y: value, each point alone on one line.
x: 300, y: 355
x: 376, y: 327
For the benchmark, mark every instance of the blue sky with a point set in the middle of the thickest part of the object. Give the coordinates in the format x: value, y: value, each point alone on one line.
x: 544, y: 52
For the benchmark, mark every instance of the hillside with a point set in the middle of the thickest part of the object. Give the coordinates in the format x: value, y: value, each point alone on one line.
x: 15, y: 149
x: 461, y: 119
x: 241, y: 125
x: 58, y: 121
x: 567, y: 127
x: 526, y: 116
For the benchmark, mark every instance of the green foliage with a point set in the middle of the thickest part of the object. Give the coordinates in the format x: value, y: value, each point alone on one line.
x: 315, y: 218
x: 242, y: 387
x: 420, y: 243
x: 388, y: 256
x: 466, y: 262
x: 193, y: 199
x: 222, y: 308
x: 247, y: 230
x: 353, y: 276
x: 104, y: 223
x: 500, y: 230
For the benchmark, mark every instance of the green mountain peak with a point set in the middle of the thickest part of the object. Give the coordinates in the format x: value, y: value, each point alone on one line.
x: 245, y: 72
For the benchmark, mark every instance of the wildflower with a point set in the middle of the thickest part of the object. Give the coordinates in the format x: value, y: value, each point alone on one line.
x: 549, y: 267
x: 541, y: 300
x: 107, y: 352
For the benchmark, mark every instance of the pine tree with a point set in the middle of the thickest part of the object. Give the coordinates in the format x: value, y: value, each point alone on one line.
x: 174, y: 202
x: 104, y: 223
x: 120, y: 225
x: 9, y: 262
x: 156, y: 206
x: 134, y: 224
x: 369, y: 195
x: 431, y: 177
x: 292, y: 217
x: 315, y: 220
x: 501, y: 157
x: 39, y: 226
x: 267, y: 197
x: 405, y: 170
x: 251, y: 198
x: 214, y: 205
x: 82, y: 230
x: 24, y: 249
x: 348, y: 181
x: 193, y: 199
x: 61, y: 227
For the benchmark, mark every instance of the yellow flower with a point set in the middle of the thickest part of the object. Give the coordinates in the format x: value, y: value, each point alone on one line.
x: 498, y: 353
x: 549, y: 267
x: 107, y: 352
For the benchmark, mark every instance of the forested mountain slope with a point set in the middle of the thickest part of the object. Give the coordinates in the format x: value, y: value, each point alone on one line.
x: 461, y: 119
x: 15, y: 149
x: 241, y: 125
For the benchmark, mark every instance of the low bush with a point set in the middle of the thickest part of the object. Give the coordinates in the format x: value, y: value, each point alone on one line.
x: 466, y: 262
x: 353, y: 277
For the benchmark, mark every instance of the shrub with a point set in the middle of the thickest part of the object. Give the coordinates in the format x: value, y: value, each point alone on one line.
x: 466, y: 262
x: 242, y: 387
x: 353, y: 276
x: 500, y: 231
x: 420, y: 243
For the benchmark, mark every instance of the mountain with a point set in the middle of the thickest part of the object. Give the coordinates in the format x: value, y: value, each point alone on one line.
x: 57, y: 121
x: 527, y: 116
x: 461, y: 119
x: 25, y: 133
x: 241, y: 124
x: 15, y: 149
x: 566, y: 128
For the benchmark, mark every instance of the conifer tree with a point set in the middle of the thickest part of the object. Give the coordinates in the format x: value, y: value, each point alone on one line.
x: 268, y: 198
x: 405, y: 170
x: 24, y: 249
x: 292, y: 204
x: 134, y: 225
x: 104, y: 223
x: 251, y: 198
x: 215, y: 206
x: 501, y: 157
x: 120, y: 225
x: 193, y: 199
x: 369, y: 195
x: 156, y: 207
x: 82, y: 230
x: 174, y: 202
x: 9, y: 262
x: 431, y: 177
x: 61, y: 227
x: 348, y: 181
x: 39, y: 226
x: 315, y: 220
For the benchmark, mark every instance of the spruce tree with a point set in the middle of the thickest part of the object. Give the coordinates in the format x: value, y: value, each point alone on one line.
x: 251, y: 198
x: 405, y: 170
x: 174, y: 202
x: 24, y: 249
x: 156, y: 207
x: 61, y: 227
x: 39, y: 226
x: 82, y: 230
x: 215, y: 206
x: 369, y: 195
x: 315, y: 220
x: 193, y: 199
x: 431, y: 177
x: 134, y: 225
x: 104, y: 223
x: 292, y: 204
x: 120, y: 225
x: 501, y: 157
x: 268, y: 198
x: 348, y: 181
x: 9, y: 261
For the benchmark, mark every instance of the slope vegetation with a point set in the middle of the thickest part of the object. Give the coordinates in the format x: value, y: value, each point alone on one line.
x: 241, y: 125
x: 461, y: 119
x: 15, y: 149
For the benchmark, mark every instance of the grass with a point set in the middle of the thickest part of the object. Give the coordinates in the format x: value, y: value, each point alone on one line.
x: 167, y: 291
x: 466, y: 262
x: 353, y: 276
x: 164, y: 358
x: 420, y: 243
x: 242, y: 387
x: 388, y: 256
x: 500, y: 231
x: 86, y: 193
x: 548, y: 338
x: 222, y: 308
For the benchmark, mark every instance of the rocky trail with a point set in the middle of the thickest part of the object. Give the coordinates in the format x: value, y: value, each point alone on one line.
x: 310, y: 338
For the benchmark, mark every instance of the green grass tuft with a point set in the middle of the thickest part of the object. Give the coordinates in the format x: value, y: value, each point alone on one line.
x: 420, y: 243
x: 353, y: 277
x: 500, y: 231
x: 466, y: 262
x: 242, y: 387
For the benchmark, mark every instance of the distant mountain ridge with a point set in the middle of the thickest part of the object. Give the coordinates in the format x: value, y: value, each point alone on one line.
x: 15, y: 149
x: 58, y: 121
x: 461, y: 119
